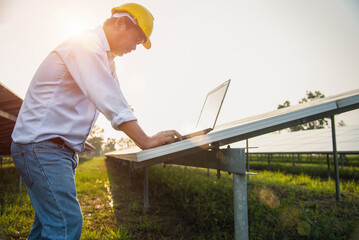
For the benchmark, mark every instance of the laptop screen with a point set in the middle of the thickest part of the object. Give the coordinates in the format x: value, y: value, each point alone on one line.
x: 211, y: 107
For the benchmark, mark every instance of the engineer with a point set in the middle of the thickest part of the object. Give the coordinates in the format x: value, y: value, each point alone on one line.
x: 73, y: 84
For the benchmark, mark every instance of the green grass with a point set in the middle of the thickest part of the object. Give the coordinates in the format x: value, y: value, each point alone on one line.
x: 188, y: 204
x: 281, y: 206
x: 92, y: 188
x: 16, y: 211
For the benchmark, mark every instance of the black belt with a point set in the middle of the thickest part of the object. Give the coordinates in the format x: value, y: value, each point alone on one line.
x: 56, y: 140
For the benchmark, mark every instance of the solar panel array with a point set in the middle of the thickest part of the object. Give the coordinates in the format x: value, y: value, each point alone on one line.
x: 10, y: 105
x: 309, y: 141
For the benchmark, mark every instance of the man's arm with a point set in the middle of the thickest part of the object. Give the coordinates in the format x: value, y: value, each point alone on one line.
x: 135, y: 132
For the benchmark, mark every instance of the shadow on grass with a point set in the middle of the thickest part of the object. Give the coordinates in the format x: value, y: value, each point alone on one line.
x: 9, y: 183
x: 9, y: 178
x: 82, y: 160
x: 160, y: 221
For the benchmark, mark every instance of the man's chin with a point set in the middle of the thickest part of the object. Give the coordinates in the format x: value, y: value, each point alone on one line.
x: 120, y: 54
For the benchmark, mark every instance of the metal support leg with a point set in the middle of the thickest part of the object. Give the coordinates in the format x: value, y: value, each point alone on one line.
x: 145, y: 189
x: 335, y: 156
x: 328, y: 163
x: 293, y: 160
x: 247, y: 157
x: 240, y: 198
x: 129, y: 174
x: 240, y: 207
x: 121, y: 168
x: 269, y: 156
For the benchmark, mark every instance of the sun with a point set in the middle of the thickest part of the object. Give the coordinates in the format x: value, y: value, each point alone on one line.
x: 74, y: 26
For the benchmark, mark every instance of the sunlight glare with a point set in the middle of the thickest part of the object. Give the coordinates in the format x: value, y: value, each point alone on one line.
x: 74, y: 26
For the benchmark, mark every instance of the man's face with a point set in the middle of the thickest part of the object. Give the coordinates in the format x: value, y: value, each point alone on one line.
x: 126, y: 40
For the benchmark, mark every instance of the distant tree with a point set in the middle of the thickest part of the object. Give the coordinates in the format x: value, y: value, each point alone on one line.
x: 295, y: 128
x: 96, y: 138
x: 124, y: 143
x: 317, y: 124
x: 284, y: 105
x: 341, y: 124
x: 110, y: 145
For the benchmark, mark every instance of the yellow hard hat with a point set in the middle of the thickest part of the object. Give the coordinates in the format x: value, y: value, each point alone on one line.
x: 143, y: 17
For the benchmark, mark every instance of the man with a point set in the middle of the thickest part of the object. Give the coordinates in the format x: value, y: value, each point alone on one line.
x: 71, y: 86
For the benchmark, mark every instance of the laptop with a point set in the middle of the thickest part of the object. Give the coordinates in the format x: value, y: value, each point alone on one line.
x: 209, y: 114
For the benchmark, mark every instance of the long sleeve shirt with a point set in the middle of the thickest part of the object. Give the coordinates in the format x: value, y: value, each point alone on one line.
x: 71, y: 86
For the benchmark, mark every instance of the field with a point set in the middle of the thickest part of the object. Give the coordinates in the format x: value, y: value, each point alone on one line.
x: 185, y: 203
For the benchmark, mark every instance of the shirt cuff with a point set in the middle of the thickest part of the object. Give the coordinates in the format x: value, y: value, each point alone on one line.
x: 124, y: 116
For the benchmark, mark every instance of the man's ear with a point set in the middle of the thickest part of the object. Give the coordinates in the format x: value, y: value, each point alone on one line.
x: 119, y: 22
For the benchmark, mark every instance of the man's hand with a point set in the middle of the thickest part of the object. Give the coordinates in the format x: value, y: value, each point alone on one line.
x: 135, y: 132
x: 164, y: 137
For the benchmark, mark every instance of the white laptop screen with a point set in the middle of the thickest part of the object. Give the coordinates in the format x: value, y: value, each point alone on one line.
x: 212, y: 106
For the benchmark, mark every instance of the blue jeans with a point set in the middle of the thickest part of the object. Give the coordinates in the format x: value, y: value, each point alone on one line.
x: 48, y: 171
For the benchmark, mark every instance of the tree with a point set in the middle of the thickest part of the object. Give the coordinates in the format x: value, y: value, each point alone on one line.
x: 341, y: 123
x: 110, y: 145
x: 125, y: 143
x: 317, y: 124
x: 284, y: 105
x: 96, y: 138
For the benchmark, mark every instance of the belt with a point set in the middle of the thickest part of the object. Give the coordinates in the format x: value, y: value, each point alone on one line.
x: 56, y: 140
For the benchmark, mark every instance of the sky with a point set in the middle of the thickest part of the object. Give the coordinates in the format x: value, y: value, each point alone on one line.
x: 272, y: 51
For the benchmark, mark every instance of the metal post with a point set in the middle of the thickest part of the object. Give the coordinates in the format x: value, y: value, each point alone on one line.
x: 239, y: 198
x: 335, y: 156
x: 341, y: 159
x: 121, y: 168
x: 293, y: 160
x: 268, y: 162
x: 129, y: 174
x: 328, y: 163
x: 145, y: 189
x: 247, y: 155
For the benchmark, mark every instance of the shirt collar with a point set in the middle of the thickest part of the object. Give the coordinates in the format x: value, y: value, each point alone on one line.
x: 101, y: 33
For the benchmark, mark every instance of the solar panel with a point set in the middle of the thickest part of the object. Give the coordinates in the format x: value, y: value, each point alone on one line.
x: 251, y: 127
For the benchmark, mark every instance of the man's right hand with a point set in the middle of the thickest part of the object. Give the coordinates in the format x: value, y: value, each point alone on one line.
x: 135, y: 132
x: 164, y: 137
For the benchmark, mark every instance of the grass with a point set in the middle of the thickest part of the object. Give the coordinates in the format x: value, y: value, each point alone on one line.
x: 281, y: 206
x: 187, y: 204
x: 16, y: 213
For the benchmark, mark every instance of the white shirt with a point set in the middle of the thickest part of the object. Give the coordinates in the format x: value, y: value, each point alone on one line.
x: 75, y: 81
